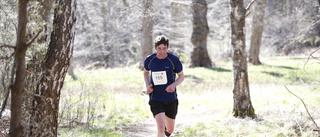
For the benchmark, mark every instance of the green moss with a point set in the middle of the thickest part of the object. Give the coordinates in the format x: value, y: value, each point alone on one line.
x: 243, y: 113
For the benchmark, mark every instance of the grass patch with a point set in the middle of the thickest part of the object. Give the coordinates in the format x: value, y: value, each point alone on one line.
x: 71, y: 132
x: 102, y: 101
x: 106, y: 102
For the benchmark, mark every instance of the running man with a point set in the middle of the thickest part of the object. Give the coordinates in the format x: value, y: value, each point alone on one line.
x: 160, y: 70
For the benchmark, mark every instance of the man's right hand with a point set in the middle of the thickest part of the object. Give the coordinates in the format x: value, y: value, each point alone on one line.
x: 149, y: 89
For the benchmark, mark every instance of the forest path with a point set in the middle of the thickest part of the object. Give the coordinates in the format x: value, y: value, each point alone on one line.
x: 146, y: 128
x: 187, y: 117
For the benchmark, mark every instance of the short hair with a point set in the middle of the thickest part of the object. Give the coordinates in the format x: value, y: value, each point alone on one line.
x: 161, y: 40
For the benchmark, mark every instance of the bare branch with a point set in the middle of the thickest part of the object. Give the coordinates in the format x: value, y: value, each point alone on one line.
x: 34, y: 38
x: 4, y: 58
x: 249, y: 5
x: 300, y: 34
x: 4, y: 103
x: 304, y: 66
x: 7, y: 46
x: 305, y: 106
x: 247, y: 13
x: 248, y: 8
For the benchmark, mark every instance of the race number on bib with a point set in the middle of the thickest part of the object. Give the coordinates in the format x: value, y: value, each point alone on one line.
x: 159, y: 78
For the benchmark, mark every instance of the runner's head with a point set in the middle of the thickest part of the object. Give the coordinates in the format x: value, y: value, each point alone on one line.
x: 161, y: 40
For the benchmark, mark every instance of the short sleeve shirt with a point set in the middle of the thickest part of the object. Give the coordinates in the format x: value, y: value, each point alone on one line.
x: 162, y: 74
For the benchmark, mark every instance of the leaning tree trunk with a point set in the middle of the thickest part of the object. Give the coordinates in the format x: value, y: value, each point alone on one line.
x: 257, y: 30
x: 200, y: 56
x: 45, y: 103
x: 147, y: 29
x: 16, y: 128
x: 241, y: 94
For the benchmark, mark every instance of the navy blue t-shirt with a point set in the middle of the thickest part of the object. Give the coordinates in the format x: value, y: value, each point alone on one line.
x: 163, y: 73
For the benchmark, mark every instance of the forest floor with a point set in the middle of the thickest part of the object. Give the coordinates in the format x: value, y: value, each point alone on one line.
x: 110, y: 102
x: 206, y: 109
x: 210, y: 115
x: 184, y: 119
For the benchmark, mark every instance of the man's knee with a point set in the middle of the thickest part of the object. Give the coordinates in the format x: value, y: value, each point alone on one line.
x: 170, y: 130
x: 161, y: 126
x: 170, y: 124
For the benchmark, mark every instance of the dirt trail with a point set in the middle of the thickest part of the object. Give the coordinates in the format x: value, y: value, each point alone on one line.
x: 146, y: 129
x: 186, y: 117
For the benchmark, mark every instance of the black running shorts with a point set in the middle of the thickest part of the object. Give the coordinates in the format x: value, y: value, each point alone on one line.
x: 169, y: 108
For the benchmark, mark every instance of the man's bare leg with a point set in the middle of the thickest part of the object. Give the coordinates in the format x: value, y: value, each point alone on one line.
x: 160, y: 119
x: 169, y: 124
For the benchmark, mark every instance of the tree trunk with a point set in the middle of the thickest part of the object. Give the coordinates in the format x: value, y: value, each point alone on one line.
x: 317, y: 26
x: 288, y: 6
x: 241, y: 94
x: 257, y: 30
x: 179, y: 36
x: 45, y: 102
x: 270, y: 5
x: 147, y: 30
x: 200, y: 56
x: 16, y: 128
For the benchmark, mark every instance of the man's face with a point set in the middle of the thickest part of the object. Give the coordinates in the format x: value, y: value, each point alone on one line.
x: 162, y: 51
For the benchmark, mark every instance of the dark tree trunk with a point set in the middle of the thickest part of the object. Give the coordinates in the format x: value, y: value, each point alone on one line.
x: 257, y: 30
x: 45, y: 102
x: 147, y: 27
x: 16, y: 129
x: 200, y: 56
x: 241, y: 94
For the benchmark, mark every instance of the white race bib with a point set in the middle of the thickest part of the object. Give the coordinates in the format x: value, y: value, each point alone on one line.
x: 159, y: 78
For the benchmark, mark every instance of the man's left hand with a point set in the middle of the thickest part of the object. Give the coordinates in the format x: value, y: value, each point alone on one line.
x: 171, y: 88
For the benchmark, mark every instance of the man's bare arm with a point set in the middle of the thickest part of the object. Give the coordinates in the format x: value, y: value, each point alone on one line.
x: 147, y: 81
x: 172, y: 87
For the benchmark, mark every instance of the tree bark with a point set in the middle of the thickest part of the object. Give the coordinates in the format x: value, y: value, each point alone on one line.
x: 45, y: 102
x: 257, y: 30
x: 241, y: 94
x: 16, y: 129
x: 147, y: 30
x: 179, y: 36
x: 199, y: 55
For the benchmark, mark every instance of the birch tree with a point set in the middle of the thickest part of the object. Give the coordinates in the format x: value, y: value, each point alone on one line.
x: 242, y: 105
x: 45, y: 97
